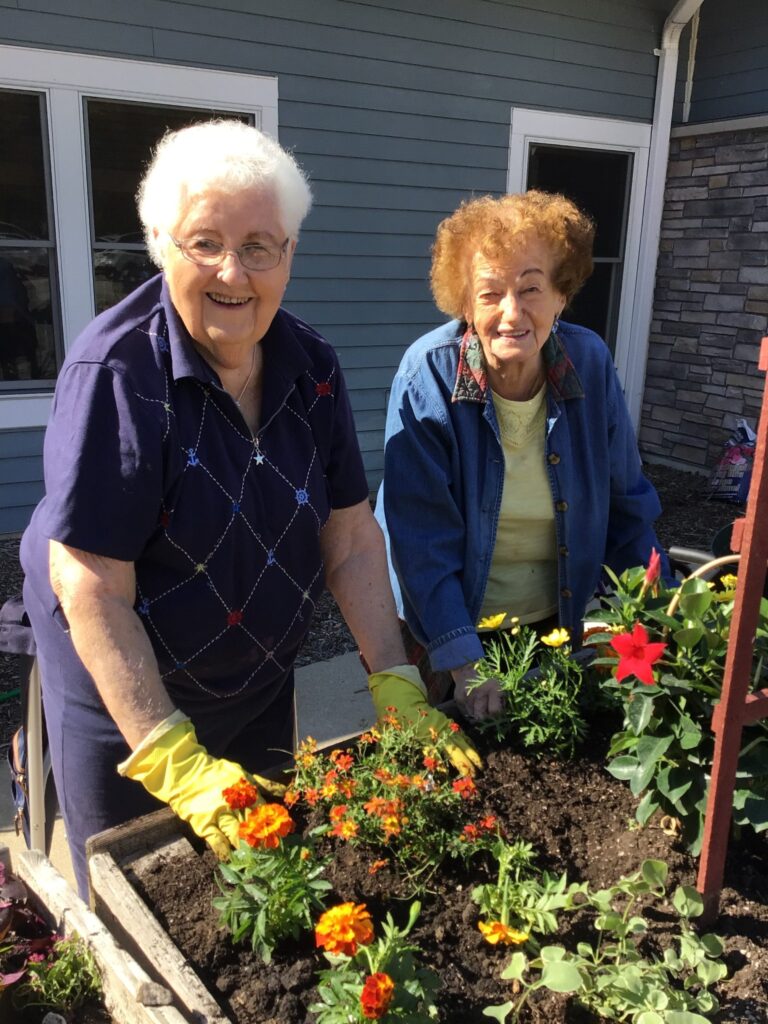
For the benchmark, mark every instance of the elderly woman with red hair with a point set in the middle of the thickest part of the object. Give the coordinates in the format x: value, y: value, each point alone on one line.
x: 512, y: 473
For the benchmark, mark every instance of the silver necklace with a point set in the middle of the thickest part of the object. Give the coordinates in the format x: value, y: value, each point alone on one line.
x: 248, y: 378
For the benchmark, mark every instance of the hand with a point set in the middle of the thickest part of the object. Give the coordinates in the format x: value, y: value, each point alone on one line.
x: 174, y: 768
x: 401, y: 687
x: 478, y: 702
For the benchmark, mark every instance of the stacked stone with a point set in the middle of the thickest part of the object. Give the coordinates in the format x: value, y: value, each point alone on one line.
x: 711, y: 299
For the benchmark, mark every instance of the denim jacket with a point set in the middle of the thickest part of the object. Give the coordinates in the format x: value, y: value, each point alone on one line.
x: 444, y: 474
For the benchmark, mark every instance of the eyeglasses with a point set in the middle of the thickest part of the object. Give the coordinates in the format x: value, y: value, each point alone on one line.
x: 207, y: 253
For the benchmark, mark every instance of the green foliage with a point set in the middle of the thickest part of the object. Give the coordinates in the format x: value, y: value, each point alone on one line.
x: 542, y: 691
x: 521, y: 897
x: 610, y: 976
x: 666, y: 747
x: 270, y: 894
x: 66, y: 979
x: 340, y: 987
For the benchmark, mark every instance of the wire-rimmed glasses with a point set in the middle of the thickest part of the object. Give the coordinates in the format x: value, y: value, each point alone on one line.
x: 207, y: 253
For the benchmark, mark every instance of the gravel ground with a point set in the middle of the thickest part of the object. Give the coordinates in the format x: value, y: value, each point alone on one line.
x: 689, y: 519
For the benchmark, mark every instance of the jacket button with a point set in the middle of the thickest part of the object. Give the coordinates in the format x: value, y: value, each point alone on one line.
x: 565, y: 592
x: 553, y: 459
x: 563, y: 550
x: 562, y: 506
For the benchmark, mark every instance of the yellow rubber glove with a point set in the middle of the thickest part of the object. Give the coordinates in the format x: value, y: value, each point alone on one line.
x: 172, y: 766
x: 401, y: 687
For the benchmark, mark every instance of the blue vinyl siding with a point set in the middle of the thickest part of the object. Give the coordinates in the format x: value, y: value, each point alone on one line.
x: 731, y: 73
x: 21, y: 474
x: 397, y: 110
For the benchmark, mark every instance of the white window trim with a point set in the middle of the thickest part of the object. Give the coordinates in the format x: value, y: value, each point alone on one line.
x: 546, y: 127
x: 65, y: 79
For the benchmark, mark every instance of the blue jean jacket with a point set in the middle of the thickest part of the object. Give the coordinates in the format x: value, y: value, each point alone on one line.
x: 444, y: 473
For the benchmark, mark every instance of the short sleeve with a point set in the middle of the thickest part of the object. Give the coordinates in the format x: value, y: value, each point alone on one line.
x: 103, y: 464
x: 344, y: 471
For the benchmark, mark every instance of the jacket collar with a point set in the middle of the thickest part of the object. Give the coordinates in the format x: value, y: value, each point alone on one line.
x: 472, y: 375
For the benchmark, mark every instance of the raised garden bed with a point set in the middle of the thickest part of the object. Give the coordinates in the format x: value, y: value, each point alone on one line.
x: 155, y: 886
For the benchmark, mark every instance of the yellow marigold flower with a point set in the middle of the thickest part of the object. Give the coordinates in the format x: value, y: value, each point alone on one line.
x: 265, y: 826
x: 728, y: 581
x: 343, y: 928
x: 495, y: 932
x: 556, y: 638
x: 491, y: 621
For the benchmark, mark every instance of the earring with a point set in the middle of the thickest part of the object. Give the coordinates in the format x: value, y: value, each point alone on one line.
x: 556, y: 324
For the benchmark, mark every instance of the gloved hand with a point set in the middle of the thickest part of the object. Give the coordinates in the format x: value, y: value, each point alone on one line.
x: 401, y: 687
x: 172, y: 766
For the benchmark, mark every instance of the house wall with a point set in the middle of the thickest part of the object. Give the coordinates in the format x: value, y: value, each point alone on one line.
x: 711, y: 300
x: 398, y: 111
x: 731, y: 69
x: 21, y: 474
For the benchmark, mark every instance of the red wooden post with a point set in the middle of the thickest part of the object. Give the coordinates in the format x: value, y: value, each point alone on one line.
x: 738, y: 707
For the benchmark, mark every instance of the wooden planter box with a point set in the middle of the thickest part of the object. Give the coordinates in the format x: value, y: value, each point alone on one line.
x: 130, y: 995
x: 112, y: 857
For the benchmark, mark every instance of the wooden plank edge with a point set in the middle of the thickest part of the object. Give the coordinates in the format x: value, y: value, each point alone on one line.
x: 117, y: 901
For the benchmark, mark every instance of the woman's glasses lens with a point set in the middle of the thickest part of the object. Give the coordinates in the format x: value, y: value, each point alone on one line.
x: 207, y: 253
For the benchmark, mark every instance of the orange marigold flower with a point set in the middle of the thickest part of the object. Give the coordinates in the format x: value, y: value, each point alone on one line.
x: 341, y: 760
x: 347, y: 787
x: 372, y: 736
x: 465, y: 787
x: 430, y: 763
x: 243, y: 794
x: 343, y: 928
x: 418, y: 782
x: 311, y: 796
x: 377, y: 866
x: 434, y: 735
x: 391, y: 825
x: 305, y: 854
x: 376, y: 995
x: 331, y: 776
x: 338, y: 812
x: 495, y: 932
x: 402, y: 781
x: 383, y: 774
x: 345, y: 829
x: 291, y: 797
x: 329, y: 790
x: 470, y: 833
x: 454, y: 727
x: 265, y: 826
x: 489, y: 822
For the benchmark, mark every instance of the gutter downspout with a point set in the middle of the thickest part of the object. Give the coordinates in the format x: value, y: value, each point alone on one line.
x: 653, y: 202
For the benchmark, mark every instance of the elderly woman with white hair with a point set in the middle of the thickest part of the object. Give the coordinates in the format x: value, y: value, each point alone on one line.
x: 203, y: 480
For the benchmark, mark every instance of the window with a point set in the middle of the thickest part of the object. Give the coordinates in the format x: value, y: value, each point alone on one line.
x: 75, y: 134
x: 602, y: 165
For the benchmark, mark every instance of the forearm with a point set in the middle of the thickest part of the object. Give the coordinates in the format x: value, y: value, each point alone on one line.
x: 113, y: 645
x: 358, y: 577
x: 96, y: 595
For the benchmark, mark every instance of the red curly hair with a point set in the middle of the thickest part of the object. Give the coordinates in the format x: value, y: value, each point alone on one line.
x: 496, y: 227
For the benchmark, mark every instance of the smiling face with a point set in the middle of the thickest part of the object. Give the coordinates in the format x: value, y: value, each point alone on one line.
x: 226, y: 308
x: 513, y: 304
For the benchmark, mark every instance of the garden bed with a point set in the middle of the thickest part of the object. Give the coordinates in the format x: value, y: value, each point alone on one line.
x: 128, y: 995
x: 577, y: 817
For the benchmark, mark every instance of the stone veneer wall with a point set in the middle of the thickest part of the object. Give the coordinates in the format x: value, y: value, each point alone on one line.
x: 711, y: 299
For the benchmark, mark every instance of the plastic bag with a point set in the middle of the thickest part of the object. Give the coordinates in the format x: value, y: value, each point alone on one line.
x: 731, y: 476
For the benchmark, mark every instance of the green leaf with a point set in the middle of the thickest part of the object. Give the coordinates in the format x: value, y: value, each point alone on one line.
x: 674, y: 783
x: 649, y: 1017
x: 713, y: 944
x: 655, y: 873
x: 684, y: 1017
x: 499, y: 1013
x: 687, y: 901
x: 552, y: 954
x: 750, y: 809
x: 709, y: 972
x: 689, y: 636
x: 561, y: 977
x: 651, y: 748
x: 646, y: 807
x: 695, y: 599
x: 639, y: 714
x: 516, y: 968
x: 624, y: 768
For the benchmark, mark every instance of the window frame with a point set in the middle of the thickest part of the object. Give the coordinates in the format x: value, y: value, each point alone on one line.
x: 557, y: 128
x: 66, y: 80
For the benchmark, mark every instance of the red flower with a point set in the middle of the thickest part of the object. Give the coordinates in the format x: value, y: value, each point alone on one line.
x: 653, y: 572
x: 243, y: 794
x: 376, y: 995
x: 465, y: 787
x: 636, y: 655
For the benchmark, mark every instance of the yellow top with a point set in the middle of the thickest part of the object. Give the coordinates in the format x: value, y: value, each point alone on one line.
x: 523, y: 577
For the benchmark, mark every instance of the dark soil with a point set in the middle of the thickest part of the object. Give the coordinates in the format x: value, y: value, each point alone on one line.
x: 579, y: 820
